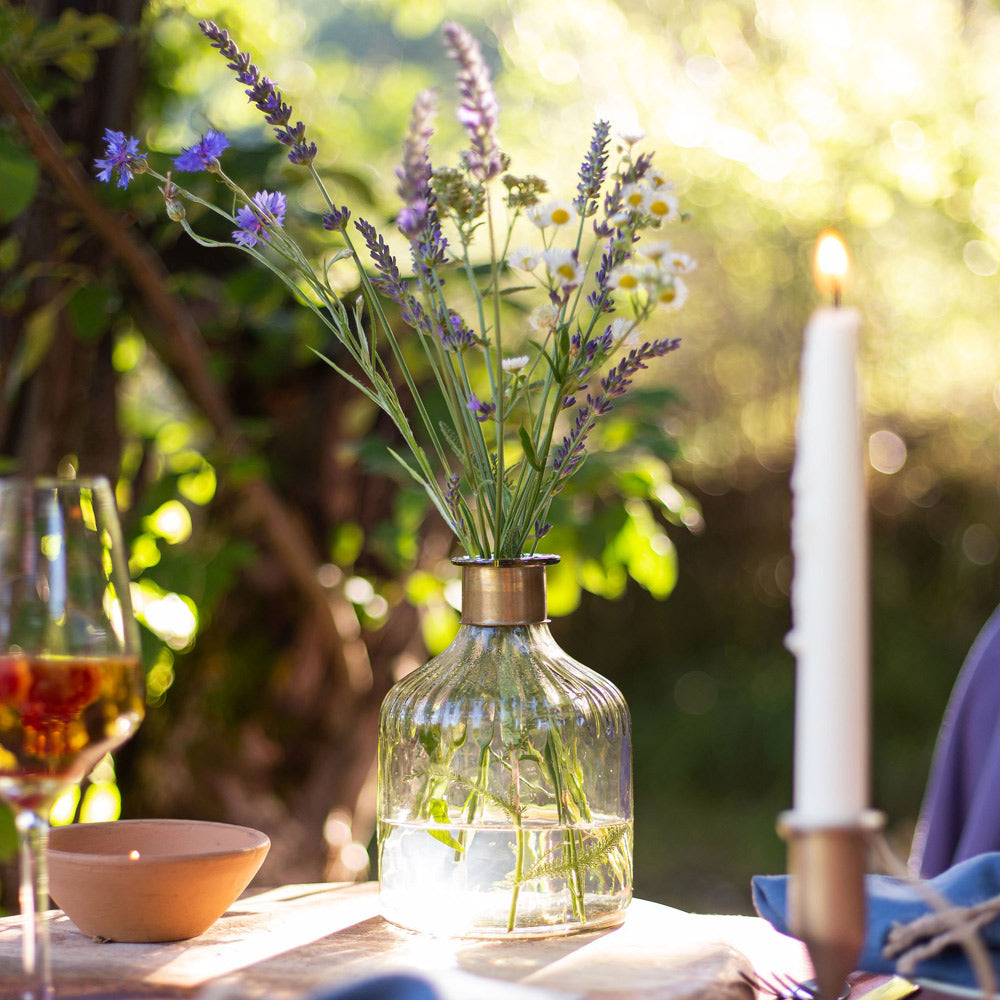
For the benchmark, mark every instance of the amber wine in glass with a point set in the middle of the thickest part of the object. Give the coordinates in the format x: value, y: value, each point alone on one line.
x: 71, y: 682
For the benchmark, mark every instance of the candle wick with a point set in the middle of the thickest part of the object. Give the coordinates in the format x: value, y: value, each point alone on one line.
x: 836, y: 295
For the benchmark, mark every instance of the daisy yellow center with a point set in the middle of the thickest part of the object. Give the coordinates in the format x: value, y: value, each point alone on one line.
x: 635, y: 199
x: 560, y: 216
x: 659, y: 207
x: 668, y: 294
x: 565, y: 271
x: 628, y: 281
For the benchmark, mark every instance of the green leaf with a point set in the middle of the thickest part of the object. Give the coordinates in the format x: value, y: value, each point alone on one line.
x: 438, y: 809
x: 529, y: 449
x: 78, y: 64
x: 18, y: 181
x: 102, y: 30
x: 429, y: 737
x: 450, y: 436
x: 8, y: 833
x: 39, y: 331
x: 88, y: 308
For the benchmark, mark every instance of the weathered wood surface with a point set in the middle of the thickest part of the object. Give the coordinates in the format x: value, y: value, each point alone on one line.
x: 289, y: 943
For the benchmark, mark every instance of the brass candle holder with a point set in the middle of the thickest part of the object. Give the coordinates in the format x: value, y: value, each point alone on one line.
x: 826, y: 892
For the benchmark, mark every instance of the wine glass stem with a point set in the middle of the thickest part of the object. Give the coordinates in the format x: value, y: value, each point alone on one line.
x: 33, y: 837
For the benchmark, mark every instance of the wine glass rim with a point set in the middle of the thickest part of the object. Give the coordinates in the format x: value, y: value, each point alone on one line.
x: 54, y: 482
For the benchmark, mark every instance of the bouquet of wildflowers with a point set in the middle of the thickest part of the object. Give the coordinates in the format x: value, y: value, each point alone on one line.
x: 519, y: 408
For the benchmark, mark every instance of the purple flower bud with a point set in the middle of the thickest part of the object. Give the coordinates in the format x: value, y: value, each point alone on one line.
x: 480, y: 410
x: 336, y: 218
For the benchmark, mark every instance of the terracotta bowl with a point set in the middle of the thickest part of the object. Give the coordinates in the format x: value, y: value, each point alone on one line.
x: 151, y: 879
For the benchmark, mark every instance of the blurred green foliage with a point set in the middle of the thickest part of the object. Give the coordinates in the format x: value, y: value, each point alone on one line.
x: 775, y: 120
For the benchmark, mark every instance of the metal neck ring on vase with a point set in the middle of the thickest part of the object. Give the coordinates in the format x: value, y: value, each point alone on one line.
x: 504, y: 592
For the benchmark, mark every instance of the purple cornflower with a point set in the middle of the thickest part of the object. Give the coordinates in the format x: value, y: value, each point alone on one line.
x: 202, y: 155
x: 593, y: 170
x: 267, y: 209
x: 264, y: 94
x: 480, y: 410
x: 121, y: 154
x: 479, y: 110
x: 415, y: 172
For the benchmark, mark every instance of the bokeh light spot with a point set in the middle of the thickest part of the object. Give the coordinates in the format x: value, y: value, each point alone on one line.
x: 886, y: 452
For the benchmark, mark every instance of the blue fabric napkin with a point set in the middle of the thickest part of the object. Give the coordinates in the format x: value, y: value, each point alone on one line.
x: 960, y: 815
x: 397, y: 986
x: 892, y: 900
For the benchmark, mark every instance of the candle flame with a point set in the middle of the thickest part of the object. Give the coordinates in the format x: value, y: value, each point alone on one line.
x: 831, y: 264
x: 133, y: 855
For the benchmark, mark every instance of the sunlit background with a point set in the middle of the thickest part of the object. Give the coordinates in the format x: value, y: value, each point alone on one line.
x: 775, y: 119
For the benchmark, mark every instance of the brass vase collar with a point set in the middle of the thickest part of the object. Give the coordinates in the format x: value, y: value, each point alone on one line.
x: 505, y: 592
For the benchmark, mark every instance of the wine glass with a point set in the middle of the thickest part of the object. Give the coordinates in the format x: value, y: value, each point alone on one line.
x: 71, y: 682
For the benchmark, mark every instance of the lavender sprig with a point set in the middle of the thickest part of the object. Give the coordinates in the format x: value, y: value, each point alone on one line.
x: 479, y: 111
x: 388, y: 279
x: 593, y: 170
x: 571, y: 453
x: 415, y: 173
x: 264, y: 94
x: 617, y: 381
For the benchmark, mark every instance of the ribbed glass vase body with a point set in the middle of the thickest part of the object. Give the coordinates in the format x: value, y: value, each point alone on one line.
x: 505, y: 795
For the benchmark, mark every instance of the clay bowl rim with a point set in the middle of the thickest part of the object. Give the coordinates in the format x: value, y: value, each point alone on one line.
x: 114, y: 857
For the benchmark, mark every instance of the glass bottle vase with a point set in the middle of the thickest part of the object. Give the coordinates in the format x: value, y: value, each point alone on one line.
x: 504, y: 776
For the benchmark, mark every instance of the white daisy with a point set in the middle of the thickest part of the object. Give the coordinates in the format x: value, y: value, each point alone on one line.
x: 681, y: 263
x: 627, y: 277
x: 657, y: 251
x: 662, y: 205
x: 634, y: 197
x: 524, y: 259
x: 540, y: 215
x: 543, y: 318
x: 656, y: 178
x: 563, y: 213
x: 514, y: 364
x: 564, y: 267
x: 625, y: 332
x: 672, y: 294
x: 631, y: 136
x: 554, y: 213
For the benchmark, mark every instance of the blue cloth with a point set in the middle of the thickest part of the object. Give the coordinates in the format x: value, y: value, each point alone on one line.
x: 960, y: 816
x: 892, y: 900
x: 398, y: 986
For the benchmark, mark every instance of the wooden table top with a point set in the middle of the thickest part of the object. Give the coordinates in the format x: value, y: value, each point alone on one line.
x: 289, y: 943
